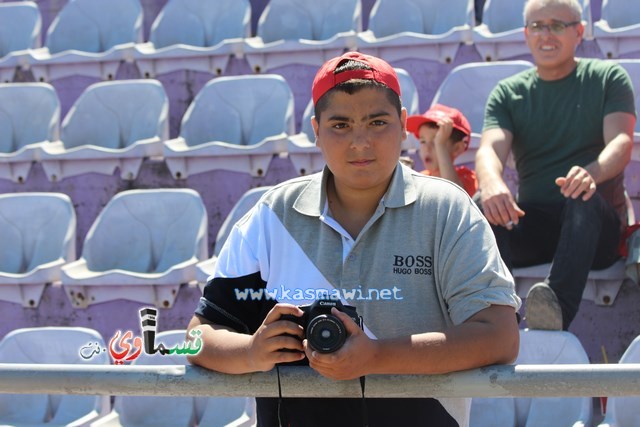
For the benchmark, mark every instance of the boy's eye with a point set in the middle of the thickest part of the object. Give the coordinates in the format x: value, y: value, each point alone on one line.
x: 340, y: 125
x: 378, y: 123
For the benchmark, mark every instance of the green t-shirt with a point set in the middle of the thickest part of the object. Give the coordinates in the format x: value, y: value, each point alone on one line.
x: 559, y: 124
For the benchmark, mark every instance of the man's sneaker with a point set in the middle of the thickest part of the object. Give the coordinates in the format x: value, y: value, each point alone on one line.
x: 542, y: 310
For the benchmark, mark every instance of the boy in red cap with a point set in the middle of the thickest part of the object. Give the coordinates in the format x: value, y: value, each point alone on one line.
x: 444, y: 134
x: 434, y: 300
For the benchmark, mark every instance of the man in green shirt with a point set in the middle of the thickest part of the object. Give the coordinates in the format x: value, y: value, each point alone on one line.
x: 569, y: 124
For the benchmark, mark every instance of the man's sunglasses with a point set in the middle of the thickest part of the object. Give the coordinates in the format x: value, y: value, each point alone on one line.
x: 555, y: 27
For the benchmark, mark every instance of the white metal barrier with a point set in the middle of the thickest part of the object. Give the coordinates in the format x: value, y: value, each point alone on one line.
x: 176, y: 380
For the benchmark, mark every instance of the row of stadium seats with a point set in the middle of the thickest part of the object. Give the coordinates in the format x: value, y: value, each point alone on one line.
x: 91, y: 38
x: 116, y: 124
x: 75, y: 345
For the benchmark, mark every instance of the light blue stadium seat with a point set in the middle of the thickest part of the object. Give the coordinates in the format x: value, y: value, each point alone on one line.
x: 20, y: 24
x: 622, y: 411
x: 242, y: 206
x: 142, y: 246
x: 29, y: 119
x: 538, y: 348
x: 467, y: 88
x: 303, y: 32
x: 87, y: 37
x: 618, y: 30
x: 198, y: 35
x: 235, y: 123
x: 113, y: 124
x: 422, y: 29
x: 37, y: 237
x: 51, y: 345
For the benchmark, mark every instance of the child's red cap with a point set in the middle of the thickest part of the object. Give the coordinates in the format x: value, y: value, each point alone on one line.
x: 437, y: 113
x: 380, y: 72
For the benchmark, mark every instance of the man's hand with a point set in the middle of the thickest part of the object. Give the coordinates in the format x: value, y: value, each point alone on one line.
x: 349, y: 362
x: 268, y: 341
x: 577, y: 182
x: 499, y: 206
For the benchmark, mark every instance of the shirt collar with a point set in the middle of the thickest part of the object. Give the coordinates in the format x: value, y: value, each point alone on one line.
x: 312, y: 199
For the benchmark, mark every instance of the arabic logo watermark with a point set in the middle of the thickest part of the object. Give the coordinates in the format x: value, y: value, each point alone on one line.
x: 125, y: 347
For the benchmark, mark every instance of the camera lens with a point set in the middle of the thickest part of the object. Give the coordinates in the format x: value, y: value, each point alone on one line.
x: 326, y: 333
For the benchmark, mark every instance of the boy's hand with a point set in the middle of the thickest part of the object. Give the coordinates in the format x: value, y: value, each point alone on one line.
x: 351, y: 361
x: 268, y: 341
x: 445, y: 127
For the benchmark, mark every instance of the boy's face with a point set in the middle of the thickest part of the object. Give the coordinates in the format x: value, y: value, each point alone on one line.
x: 360, y: 137
x: 426, y: 149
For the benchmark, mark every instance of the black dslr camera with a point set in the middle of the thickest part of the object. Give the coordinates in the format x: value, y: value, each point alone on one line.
x: 324, y: 332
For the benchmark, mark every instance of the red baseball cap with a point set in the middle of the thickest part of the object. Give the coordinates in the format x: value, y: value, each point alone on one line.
x: 436, y: 113
x: 380, y: 71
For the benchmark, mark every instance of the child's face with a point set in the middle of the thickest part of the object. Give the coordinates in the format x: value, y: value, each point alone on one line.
x: 360, y: 137
x: 426, y: 149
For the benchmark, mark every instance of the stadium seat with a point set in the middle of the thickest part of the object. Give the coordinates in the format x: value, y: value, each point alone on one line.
x: 87, y: 37
x: 197, y: 35
x: 37, y: 237
x: 538, y: 348
x: 143, y: 411
x: 622, y: 411
x: 141, y: 247
x: 113, y: 124
x: 20, y: 25
x: 618, y: 30
x: 302, y: 150
x: 29, y: 118
x: 501, y: 34
x: 226, y: 412
x: 303, y: 32
x: 418, y: 29
x: 52, y: 345
x: 467, y: 88
x: 242, y: 206
x: 235, y: 123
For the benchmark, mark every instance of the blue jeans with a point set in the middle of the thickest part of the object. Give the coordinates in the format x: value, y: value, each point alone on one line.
x: 575, y: 236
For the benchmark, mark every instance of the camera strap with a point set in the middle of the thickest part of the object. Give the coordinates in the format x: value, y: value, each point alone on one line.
x: 365, y: 417
x: 280, y: 405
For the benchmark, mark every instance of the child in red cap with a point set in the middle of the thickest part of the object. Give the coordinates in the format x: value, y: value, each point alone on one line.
x: 444, y: 134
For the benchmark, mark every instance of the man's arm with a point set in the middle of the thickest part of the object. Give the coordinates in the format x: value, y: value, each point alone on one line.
x: 489, y: 337
x: 498, y: 203
x: 618, y: 137
x: 225, y: 350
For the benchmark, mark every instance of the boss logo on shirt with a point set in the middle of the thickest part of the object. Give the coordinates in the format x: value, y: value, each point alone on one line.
x: 413, y: 264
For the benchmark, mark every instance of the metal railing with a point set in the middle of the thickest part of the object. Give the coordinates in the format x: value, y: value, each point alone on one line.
x: 590, y: 380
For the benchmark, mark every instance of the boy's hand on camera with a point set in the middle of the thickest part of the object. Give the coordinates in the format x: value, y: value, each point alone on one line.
x: 349, y: 362
x: 268, y: 341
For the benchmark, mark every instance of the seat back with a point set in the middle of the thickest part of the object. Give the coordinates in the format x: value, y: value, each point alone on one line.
x: 620, y: 13
x: 623, y: 411
x: 95, y: 25
x: 503, y: 15
x: 147, y: 231
x: 308, y: 19
x: 201, y: 23
x: 242, y: 206
x: 241, y: 110
x: 50, y: 345
x: 551, y: 347
x: 116, y: 114
x: 468, y: 86
x: 29, y: 113
x: 433, y: 17
x: 20, y: 25
x: 178, y: 411
x: 633, y: 68
x: 35, y: 229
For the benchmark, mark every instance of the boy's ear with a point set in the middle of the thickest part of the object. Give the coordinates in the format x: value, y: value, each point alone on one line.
x: 459, y: 147
x: 314, y: 125
x: 403, y: 120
